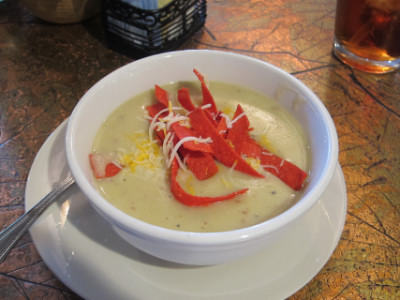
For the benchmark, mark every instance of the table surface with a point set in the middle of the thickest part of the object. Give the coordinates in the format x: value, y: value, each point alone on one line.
x: 45, y: 69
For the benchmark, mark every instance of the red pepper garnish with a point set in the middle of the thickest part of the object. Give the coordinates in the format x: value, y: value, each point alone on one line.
x: 207, y: 96
x: 223, y: 151
x: 241, y: 119
x: 112, y: 170
x: 239, y: 135
x: 196, y: 155
x: 102, y: 166
x: 161, y: 95
x: 228, y: 145
x: 222, y: 128
x: 286, y: 171
x: 184, y: 99
x: 289, y: 173
x: 188, y: 199
x: 182, y: 132
x: 201, y: 164
x: 154, y: 109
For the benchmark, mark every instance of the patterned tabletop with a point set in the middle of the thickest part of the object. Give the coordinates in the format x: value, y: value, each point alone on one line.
x: 45, y: 68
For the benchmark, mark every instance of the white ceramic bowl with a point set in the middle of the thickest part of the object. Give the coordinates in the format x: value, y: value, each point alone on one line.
x: 190, y: 247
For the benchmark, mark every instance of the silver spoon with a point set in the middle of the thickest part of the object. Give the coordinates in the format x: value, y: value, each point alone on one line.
x: 13, y: 233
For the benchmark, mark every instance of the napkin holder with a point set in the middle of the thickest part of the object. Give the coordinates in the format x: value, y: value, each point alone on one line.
x: 137, y: 32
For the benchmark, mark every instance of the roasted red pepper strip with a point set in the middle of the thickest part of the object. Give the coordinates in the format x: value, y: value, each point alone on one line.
x: 211, y: 118
x: 245, y: 145
x: 191, y: 200
x: 286, y: 171
x: 201, y: 164
x: 207, y: 96
x: 102, y: 166
x: 239, y: 135
x: 222, y: 150
x: 184, y: 99
x: 289, y: 173
x: 222, y: 127
x: 242, y: 121
x: 154, y: 109
x: 186, y: 102
x: 182, y: 132
x: 161, y: 95
x: 179, y: 130
x: 112, y: 170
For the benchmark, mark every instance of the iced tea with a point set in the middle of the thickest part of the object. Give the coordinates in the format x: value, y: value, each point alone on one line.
x: 367, y: 34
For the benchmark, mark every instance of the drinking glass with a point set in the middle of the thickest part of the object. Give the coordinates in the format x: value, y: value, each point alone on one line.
x: 367, y: 34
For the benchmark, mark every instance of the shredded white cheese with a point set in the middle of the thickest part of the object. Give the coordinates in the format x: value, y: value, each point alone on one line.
x: 266, y: 153
x: 174, y: 151
x: 206, y: 106
x: 177, y: 118
x: 229, y: 125
x: 161, y: 124
x: 167, y: 145
x: 230, y: 122
x: 271, y: 167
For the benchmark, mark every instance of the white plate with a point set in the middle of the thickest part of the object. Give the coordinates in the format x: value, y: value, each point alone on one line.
x: 87, y: 256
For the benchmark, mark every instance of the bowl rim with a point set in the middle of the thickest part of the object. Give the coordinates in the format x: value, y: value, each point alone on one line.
x: 146, y: 230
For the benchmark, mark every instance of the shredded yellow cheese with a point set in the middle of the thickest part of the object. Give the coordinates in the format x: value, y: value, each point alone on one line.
x: 266, y: 143
x: 189, y: 185
x: 145, y: 153
x: 253, y: 162
x: 226, y: 183
x: 227, y: 110
x: 170, y: 106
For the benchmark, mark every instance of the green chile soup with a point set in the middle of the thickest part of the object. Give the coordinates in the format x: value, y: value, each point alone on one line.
x: 140, y: 182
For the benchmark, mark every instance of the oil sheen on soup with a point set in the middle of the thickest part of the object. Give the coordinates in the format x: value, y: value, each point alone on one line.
x: 143, y: 189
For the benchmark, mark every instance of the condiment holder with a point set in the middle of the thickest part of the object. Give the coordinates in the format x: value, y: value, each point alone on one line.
x: 138, y: 28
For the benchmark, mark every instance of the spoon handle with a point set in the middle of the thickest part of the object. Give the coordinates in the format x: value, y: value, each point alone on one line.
x: 13, y: 233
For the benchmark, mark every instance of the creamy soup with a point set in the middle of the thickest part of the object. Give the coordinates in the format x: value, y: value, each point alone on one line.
x: 143, y: 191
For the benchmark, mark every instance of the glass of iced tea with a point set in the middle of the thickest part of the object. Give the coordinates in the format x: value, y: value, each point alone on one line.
x: 367, y: 34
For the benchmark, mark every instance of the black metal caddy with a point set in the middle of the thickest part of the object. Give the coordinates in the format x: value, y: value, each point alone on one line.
x: 140, y: 32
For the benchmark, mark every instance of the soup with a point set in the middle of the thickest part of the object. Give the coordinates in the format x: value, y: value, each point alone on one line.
x: 143, y: 189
